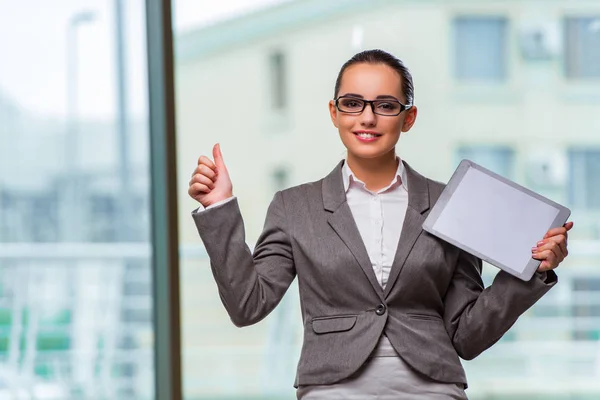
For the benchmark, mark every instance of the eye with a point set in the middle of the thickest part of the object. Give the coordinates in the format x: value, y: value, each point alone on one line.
x: 388, y: 106
x: 351, y: 103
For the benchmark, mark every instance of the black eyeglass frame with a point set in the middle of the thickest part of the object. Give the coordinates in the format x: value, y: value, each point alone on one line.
x: 403, y: 107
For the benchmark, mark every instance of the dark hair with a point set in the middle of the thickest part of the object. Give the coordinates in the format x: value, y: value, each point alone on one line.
x: 377, y: 56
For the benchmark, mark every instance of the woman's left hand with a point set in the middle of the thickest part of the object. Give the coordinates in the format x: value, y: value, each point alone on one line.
x: 553, y: 248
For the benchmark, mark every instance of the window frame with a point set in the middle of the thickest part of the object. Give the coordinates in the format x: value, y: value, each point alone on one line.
x: 163, y: 195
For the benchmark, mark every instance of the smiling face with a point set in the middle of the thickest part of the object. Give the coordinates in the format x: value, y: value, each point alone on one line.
x: 368, y: 135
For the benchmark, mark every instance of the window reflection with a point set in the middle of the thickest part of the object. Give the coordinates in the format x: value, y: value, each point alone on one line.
x: 527, y: 117
x: 75, y: 290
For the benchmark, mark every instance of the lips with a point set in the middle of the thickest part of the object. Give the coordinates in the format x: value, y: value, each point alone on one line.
x: 366, y: 136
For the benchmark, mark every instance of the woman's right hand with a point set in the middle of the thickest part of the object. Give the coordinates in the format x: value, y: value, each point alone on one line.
x: 210, y: 181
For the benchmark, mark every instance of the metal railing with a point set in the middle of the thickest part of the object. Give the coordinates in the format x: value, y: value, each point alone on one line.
x: 76, y: 321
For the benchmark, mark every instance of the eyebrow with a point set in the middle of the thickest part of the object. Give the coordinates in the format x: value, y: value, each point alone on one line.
x: 380, y: 97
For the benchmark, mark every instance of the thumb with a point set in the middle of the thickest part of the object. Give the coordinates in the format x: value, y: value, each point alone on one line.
x: 218, y: 157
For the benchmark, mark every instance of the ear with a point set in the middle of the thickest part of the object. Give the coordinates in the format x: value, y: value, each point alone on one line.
x: 333, y: 112
x: 409, y: 120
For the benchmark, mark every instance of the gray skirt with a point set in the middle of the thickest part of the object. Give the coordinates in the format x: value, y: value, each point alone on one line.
x: 384, y: 376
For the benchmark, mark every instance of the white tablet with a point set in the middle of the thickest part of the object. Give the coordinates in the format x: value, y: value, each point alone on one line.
x: 494, y: 218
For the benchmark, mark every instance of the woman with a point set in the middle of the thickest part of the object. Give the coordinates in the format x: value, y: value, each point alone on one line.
x: 388, y: 309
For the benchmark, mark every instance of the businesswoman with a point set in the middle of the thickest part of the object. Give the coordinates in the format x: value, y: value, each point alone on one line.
x: 388, y: 309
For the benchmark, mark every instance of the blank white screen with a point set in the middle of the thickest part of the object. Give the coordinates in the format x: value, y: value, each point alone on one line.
x: 495, y: 219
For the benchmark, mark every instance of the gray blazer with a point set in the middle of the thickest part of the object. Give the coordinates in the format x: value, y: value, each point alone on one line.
x: 434, y: 308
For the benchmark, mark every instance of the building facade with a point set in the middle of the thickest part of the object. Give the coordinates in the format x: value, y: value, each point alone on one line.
x: 512, y: 85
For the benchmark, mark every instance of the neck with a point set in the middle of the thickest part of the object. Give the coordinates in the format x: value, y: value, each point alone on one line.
x: 376, y: 173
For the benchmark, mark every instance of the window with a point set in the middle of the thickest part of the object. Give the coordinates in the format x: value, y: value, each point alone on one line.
x: 584, y: 181
x: 104, y: 209
x: 582, y: 47
x: 585, y: 291
x: 499, y: 159
x: 280, y: 178
x: 278, y: 80
x: 480, y: 48
x: 76, y: 297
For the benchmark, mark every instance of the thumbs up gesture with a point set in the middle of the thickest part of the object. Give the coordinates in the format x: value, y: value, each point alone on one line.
x: 210, y: 181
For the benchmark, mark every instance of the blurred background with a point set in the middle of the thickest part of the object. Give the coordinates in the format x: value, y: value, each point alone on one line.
x: 75, y: 276
x: 512, y: 85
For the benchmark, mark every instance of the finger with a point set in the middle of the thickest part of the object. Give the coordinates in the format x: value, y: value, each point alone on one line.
x: 550, y: 247
x: 548, y: 258
x: 206, y: 181
x: 198, y: 188
x: 203, y: 160
x: 206, y: 171
x: 558, y: 254
x: 568, y: 227
x: 555, y: 232
x: 206, y: 162
x: 561, y: 242
x: 544, y: 266
x: 555, y: 243
x: 562, y: 230
x: 218, y: 156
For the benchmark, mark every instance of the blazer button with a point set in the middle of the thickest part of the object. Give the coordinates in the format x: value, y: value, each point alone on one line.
x: 380, y: 309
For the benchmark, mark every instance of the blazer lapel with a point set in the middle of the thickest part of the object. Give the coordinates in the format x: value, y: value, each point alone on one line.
x: 418, y: 203
x: 342, y: 222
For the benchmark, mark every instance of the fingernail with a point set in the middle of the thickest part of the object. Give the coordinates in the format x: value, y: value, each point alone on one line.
x: 541, y: 242
x: 533, y: 249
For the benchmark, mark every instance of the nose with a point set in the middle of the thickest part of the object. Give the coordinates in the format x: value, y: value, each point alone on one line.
x: 368, y: 117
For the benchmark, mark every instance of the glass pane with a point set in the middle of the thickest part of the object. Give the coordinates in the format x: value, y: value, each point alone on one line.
x: 75, y: 277
x: 498, y: 159
x: 525, y: 128
x: 584, y: 170
x: 479, y: 45
x: 582, y: 42
x: 278, y: 83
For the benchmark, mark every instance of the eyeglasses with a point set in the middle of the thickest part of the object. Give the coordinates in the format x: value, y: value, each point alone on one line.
x: 353, y: 105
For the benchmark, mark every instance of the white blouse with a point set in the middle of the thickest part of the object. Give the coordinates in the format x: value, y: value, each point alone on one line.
x: 379, y: 217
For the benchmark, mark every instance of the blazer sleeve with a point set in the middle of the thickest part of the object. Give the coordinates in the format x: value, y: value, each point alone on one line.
x: 250, y: 284
x: 476, y: 318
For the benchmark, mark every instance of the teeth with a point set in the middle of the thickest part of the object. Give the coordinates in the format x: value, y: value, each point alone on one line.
x: 366, y: 135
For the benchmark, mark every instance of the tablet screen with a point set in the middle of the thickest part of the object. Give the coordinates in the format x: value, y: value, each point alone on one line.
x: 519, y: 221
